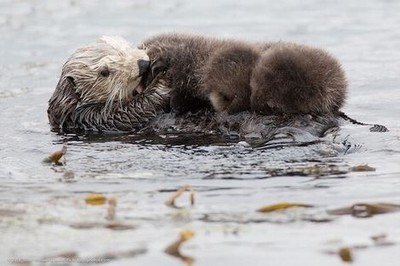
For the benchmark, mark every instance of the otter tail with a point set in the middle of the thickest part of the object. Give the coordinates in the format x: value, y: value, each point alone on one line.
x: 374, y: 128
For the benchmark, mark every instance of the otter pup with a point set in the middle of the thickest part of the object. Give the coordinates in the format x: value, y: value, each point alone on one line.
x: 226, y: 77
x: 179, y: 58
x: 195, y: 65
x: 102, y: 88
x: 236, y: 76
x: 292, y: 78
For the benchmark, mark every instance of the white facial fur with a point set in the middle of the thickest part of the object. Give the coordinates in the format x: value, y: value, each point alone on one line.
x: 105, y: 71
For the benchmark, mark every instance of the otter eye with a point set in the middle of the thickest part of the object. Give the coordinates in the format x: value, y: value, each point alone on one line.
x: 105, y: 72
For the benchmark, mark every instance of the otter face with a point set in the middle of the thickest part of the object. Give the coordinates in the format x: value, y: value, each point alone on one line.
x: 106, y: 71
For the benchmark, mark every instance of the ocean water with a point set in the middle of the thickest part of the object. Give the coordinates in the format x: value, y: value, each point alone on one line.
x: 43, y: 214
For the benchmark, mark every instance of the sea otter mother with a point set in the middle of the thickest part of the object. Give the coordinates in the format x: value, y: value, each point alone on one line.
x: 104, y: 86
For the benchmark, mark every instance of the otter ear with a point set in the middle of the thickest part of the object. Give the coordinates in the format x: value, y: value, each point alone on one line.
x: 71, y: 81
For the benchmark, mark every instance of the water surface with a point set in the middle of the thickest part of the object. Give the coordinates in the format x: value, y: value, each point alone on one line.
x: 40, y: 204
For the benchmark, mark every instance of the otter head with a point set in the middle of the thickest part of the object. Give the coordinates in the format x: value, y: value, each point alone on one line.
x: 107, y: 71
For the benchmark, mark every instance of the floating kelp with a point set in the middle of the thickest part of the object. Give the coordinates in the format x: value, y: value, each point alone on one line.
x: 56, y: 156
x: 171, y: 199
x: 110, y: 256
x: 321, y: 170
x: 72, y: 258
x: 362, y: 168
x: 283, y: 206
x: 110, y: 225
x: 345, y: 254
x: 95, y: 199
x: 363, y: 210
x: 174, y: 248
x: 279, y: 214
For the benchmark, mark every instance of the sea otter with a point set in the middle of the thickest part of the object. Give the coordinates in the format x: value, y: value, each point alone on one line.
x: 235, y: 76
x: 104, y: 86
x: 293, y: 78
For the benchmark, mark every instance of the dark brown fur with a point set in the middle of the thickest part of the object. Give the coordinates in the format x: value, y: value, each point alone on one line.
x: 198, y: 66
x: 226, y: 77
x: 291, y: 78
x: 236, y: 76
x: 179, y: 59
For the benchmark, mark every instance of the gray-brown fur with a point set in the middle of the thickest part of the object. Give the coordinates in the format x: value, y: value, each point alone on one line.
x: 65, y: 112
x: 179, y: 58
x: 291, y: 78
x: 236, y: 76
x: 185, y: 60
x: 226, y: 77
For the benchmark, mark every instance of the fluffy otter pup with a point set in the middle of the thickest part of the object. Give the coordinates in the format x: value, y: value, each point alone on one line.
x: 226, y: 77
x: 179, y: 59
x: 292, y: 78
x: 235, y: 76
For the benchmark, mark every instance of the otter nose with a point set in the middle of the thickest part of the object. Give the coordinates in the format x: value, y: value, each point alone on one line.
x: 143, y: 66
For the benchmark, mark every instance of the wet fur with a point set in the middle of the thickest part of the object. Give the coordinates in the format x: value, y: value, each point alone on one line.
x: 65, y: 112
x: 84, y: 99
x: 69, y: 108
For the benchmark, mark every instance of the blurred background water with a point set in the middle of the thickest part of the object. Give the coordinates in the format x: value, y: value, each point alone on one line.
x: 39, y: 203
